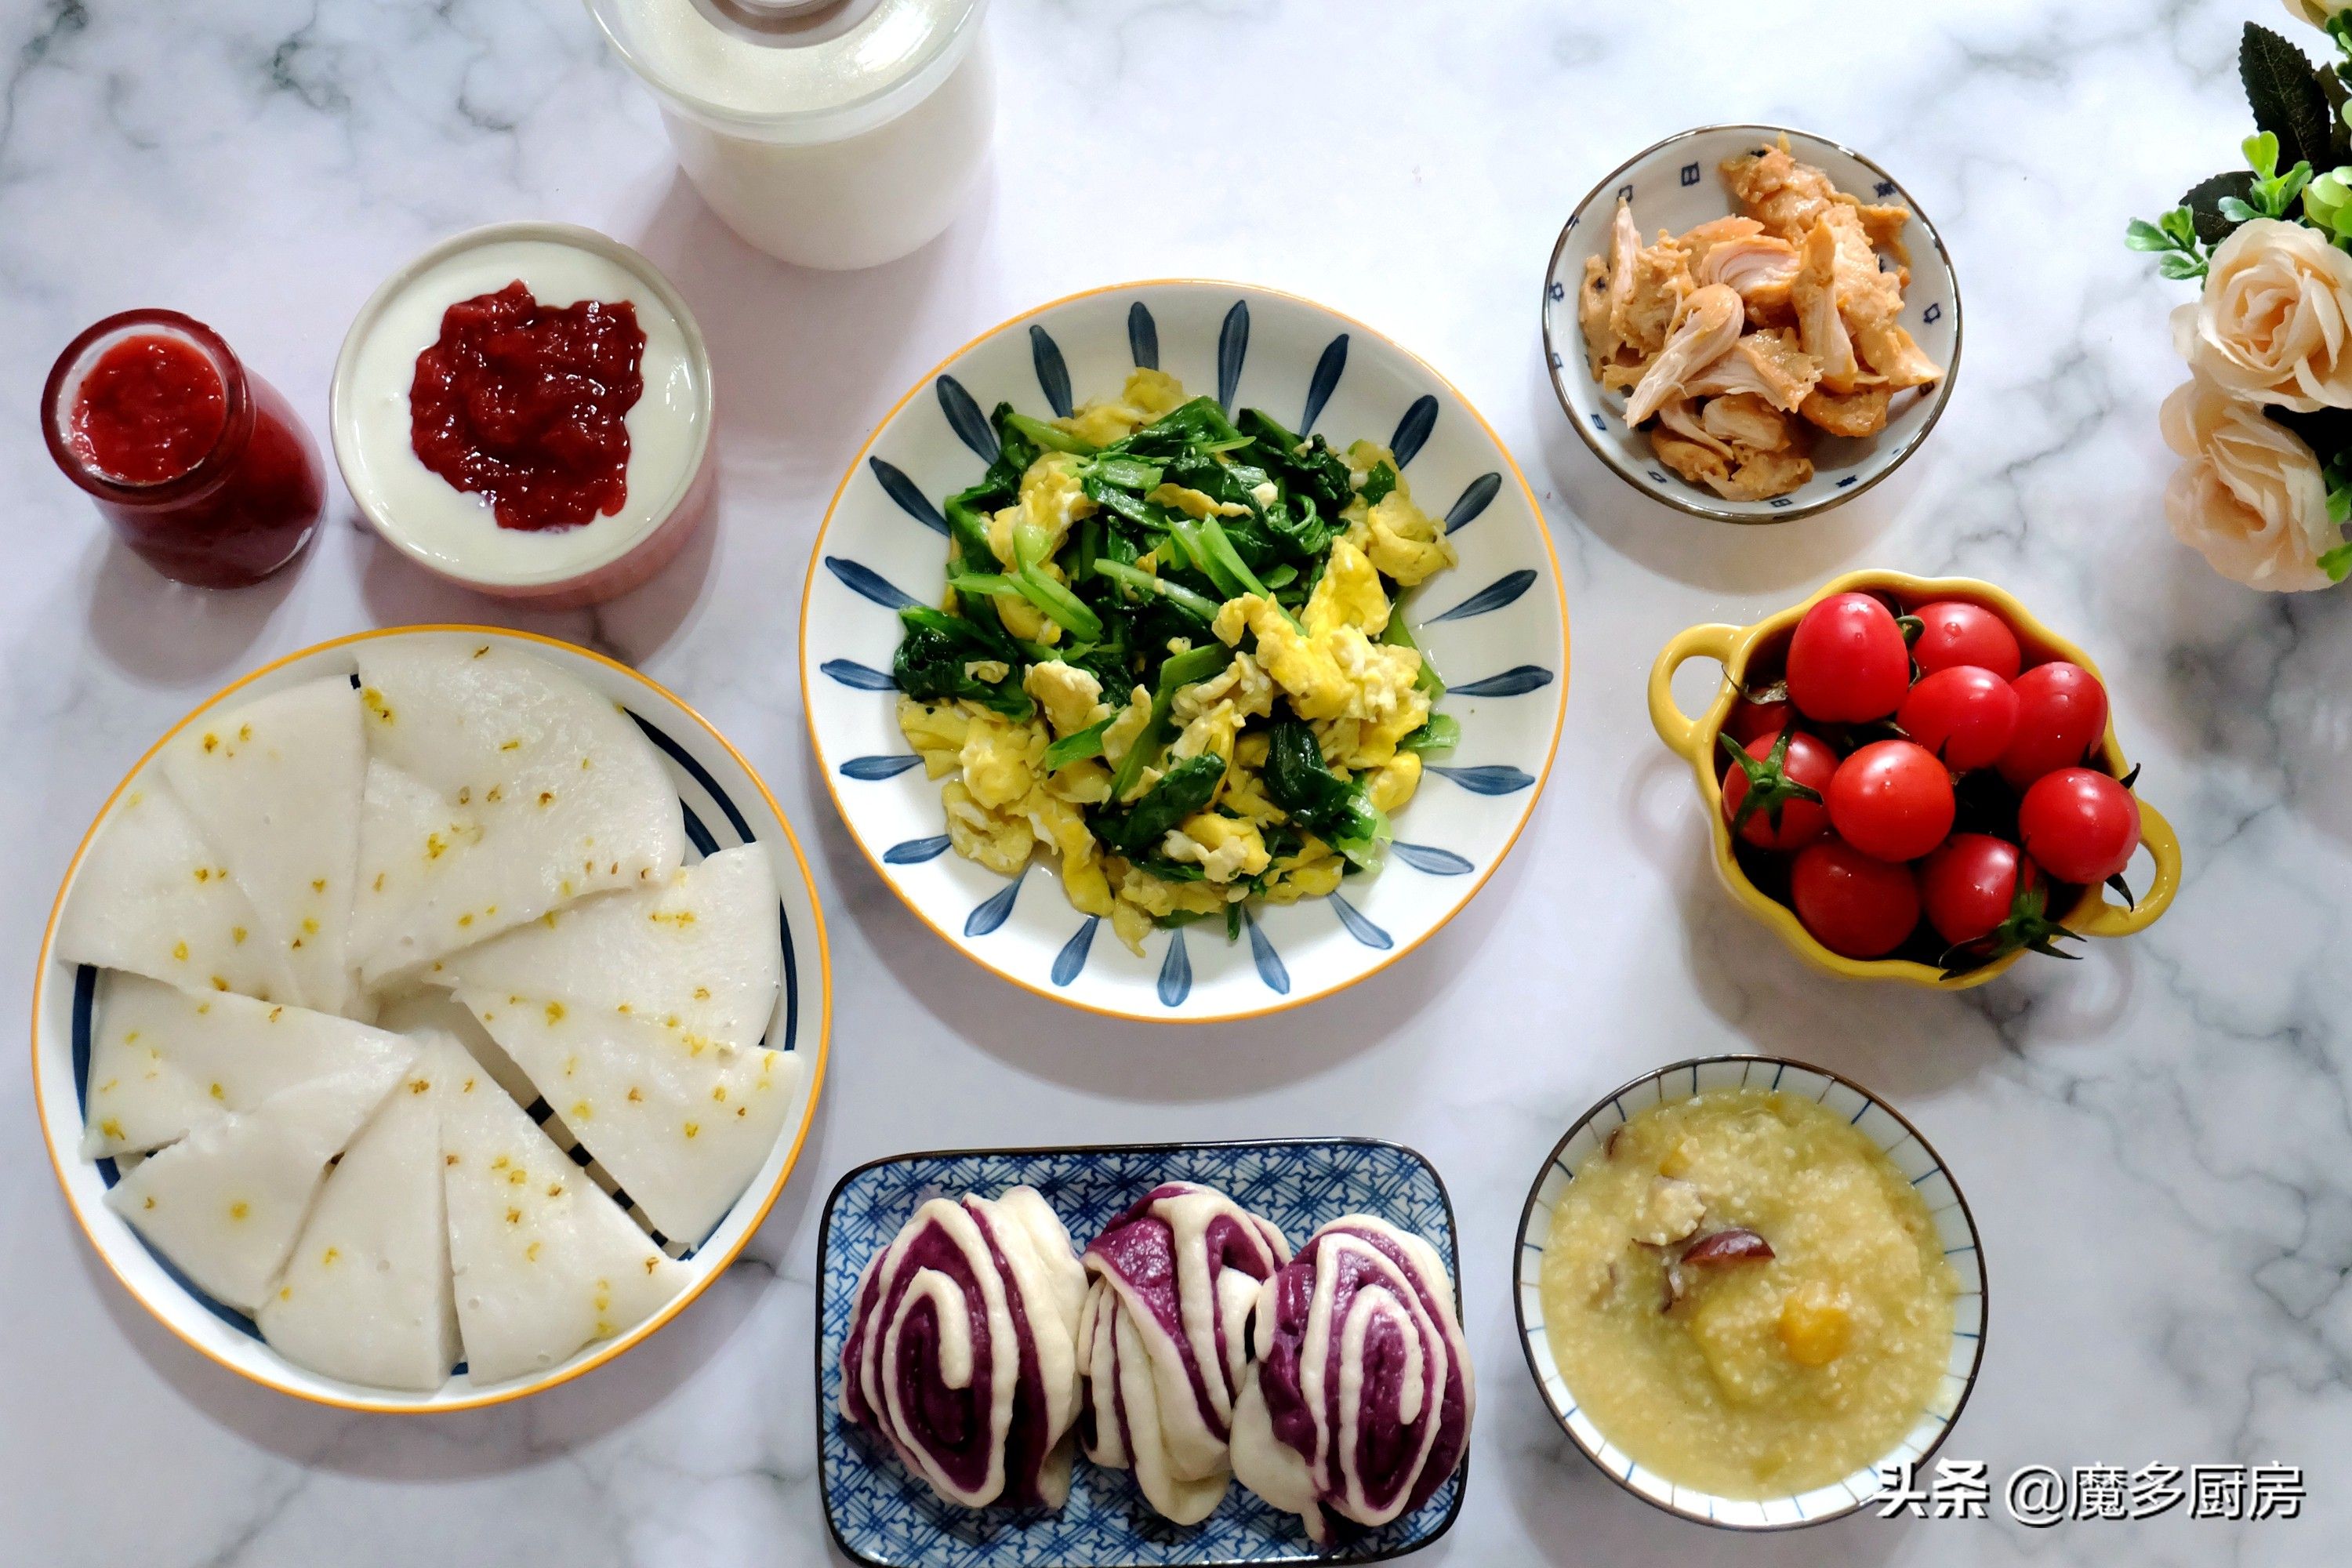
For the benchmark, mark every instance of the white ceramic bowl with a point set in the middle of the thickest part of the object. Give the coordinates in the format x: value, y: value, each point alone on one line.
x: 1673, y: 187
x: 725, y: 804
x: 636, y: 543
x: 1955, y: 1226
x: 1496, y: 625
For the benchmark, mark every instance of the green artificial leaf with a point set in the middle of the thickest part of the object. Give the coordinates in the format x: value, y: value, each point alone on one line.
x: 2179, y: 266
x: 2142, y: 235
x: 2261, y: 151
x: 2284, y: 92
x: 2237, y: 211
x: 2337, y: 562
x: 2202, y: 202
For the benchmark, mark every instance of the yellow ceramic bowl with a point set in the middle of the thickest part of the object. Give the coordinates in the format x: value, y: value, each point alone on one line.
x: 1695, y: 740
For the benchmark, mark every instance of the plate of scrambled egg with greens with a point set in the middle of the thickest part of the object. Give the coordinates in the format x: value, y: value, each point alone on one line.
x: 1184, y: 650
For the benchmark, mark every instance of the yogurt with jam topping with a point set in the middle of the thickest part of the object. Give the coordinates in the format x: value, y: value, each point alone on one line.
x: 663, y: 485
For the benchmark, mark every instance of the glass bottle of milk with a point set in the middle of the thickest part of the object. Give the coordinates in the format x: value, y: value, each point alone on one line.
x: 834, y: 133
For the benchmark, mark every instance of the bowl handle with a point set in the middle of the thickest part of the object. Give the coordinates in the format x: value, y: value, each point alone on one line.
x: 1675, y: 727
x: 2118, y: 920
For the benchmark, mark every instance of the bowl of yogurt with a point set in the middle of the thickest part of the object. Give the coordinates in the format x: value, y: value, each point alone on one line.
x: 526, y: 409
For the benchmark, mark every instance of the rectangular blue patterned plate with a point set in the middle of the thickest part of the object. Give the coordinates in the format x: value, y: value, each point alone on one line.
x: 882, y: 1515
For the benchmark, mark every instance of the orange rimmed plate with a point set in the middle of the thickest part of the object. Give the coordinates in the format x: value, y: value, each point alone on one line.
x: 725, y: 805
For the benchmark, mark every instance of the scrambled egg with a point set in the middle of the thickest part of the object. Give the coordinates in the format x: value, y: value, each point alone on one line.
x: 1360, y: 694
x: 1406, y: 543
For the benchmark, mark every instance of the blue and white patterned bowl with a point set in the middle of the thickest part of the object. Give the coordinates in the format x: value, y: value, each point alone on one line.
x: 1904, y: 1144
x: 724, y: 804
x: 1673, y: 187
x: 1496, y: 625
x: 880, y: 1514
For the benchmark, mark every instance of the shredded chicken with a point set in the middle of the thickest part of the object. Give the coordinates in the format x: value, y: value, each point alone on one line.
x: 1820, y: 328
x: 1709, y: 324
x: 1860, y: 413
x: 1765, y: 362
x: 1784, y: 196
x: 1744, y: 419
x: 1681, y: 415
x: 1706, y: 236
x: 1758, y: 266
x: 1654, y: 297
x: 1737, y: 339
x: 1606, y: 282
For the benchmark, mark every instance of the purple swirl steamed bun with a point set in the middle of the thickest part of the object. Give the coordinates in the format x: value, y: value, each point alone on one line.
x: 962, y: 1350
x: 1163, y: 1341
x: 1359, y: 1399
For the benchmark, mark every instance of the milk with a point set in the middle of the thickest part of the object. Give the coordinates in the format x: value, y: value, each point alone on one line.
x: 833, y: 133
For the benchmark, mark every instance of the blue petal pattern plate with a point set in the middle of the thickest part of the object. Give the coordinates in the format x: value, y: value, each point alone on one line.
x: 1673, y: 187
x: 1886, y: 1127
x: 882, y: 1515
x: 1495, y: 626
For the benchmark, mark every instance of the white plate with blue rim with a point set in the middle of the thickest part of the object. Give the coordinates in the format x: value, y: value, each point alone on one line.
x: 1495, y: 625
x: 1956, y: 1231
x: 723, y: 802
x: 1673, y: 186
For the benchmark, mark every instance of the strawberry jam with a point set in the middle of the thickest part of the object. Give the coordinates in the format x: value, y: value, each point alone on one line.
x: 525, y: 405
x: 149, y: 410
x: 203, y: 469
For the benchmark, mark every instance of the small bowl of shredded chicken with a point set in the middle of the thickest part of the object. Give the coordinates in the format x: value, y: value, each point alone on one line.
x: 1750, y: 323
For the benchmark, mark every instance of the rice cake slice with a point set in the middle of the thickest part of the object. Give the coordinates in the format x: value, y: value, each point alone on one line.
x: 408, y: 832
x: 153, y: 896
x: 275, y: 785
x: 164, y: 1061
x: 225, y: 1203
x: 570, y: 797
x: 365, y: 1296
x: 543, y: 1261
x: 701, y: 955
x: 638, y: 1017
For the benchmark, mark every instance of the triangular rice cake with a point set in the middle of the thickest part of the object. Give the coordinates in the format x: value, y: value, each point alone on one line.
x: 543, y: 1261
x: 682, y: 1130
x: 571, y: 798
x: 365, y: 1296
x: 425, y: 1011
x: 225, y: 1203
x: 638, y: 1015
x: 701, y: 955
x: 164, y: 1061
x: 275, y: 785
x: 153, y: 896
x: 409, y: 834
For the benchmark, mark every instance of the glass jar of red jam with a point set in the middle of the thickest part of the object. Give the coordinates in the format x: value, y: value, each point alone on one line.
x: 203, y: 469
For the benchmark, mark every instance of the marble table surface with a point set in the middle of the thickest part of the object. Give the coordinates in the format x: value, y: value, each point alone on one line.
x: 2155, y: 1140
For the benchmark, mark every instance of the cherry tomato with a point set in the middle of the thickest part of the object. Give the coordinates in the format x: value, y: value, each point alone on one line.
x: 1749, y: 718
x: 1891, y: 799
x: 2062, y: 711
x: 1954, y: 632
x: 2081, y: 826
x: 1808, y: 764
x: 1847, y: 663
x: 1971, y: 885
x: 1852, y: 903
x: 1965, y: 714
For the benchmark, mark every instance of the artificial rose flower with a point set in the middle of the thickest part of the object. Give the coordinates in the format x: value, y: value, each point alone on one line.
x: 2316, y: 11
x: 2250, y: 497
x: 2274, y: 323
